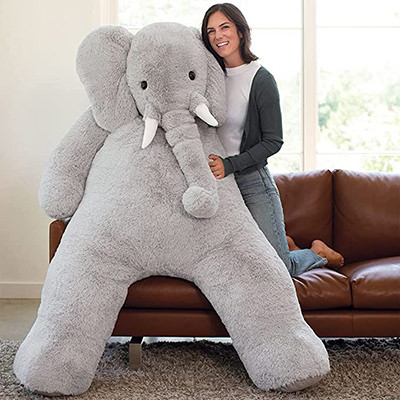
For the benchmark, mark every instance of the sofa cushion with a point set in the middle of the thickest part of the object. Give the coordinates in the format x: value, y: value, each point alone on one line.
x: 375, y: 284
x: 366, y: 215
x: 318, y: 289
x: 322, y: 289
x: 307, y: 205
x: 166, y: 292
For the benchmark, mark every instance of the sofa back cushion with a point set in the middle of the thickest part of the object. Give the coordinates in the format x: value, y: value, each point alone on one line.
x: 366, y: 214
x: 307, y: 205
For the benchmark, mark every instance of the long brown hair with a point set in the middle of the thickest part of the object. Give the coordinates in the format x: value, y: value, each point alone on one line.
x: 235, y: 16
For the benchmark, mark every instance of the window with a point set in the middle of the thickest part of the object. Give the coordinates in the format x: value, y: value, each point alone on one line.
x: 337, y: 66
x: 359, y: 84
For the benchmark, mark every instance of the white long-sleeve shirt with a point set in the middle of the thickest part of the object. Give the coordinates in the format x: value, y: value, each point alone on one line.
x: 238, y: 84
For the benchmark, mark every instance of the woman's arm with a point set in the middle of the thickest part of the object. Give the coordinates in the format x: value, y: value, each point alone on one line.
x: 268, y: 112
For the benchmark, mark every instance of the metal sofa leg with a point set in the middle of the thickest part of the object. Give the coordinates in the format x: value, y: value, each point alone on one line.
x: 135, y: 352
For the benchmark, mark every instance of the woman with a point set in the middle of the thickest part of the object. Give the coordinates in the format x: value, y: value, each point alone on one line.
x: 252, y: 133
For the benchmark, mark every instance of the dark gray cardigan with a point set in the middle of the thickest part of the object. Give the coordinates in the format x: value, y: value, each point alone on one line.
x: 262, y: 135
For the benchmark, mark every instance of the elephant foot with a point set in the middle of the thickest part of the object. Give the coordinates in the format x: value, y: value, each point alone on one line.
x: 199, y: 202
x: 289, y: 362
x: 300, y: 385
x: 50, y: 370
x: 54, y: 394
x: 273, y: 381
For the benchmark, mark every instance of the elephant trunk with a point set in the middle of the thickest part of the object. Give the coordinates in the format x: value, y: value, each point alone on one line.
x: 182, y: 134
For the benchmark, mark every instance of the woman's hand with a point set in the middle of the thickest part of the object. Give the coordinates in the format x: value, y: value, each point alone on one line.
x: 217, y: 166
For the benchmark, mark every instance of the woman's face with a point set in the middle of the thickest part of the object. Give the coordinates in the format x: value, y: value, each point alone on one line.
x: 224, y: 39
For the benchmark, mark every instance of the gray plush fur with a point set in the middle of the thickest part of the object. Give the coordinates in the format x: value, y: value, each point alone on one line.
x: 131, y: 219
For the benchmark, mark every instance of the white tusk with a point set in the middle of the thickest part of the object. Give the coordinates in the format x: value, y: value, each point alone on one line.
x: 203, y: 112
x: 150, y: 129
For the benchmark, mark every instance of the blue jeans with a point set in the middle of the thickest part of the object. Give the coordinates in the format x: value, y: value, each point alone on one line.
x: 262, y: 198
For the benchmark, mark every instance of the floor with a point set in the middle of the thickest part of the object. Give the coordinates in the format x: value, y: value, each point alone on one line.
x: 18, y: 315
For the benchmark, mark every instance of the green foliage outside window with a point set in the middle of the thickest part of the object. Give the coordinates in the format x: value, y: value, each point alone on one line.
x: 359, y: 111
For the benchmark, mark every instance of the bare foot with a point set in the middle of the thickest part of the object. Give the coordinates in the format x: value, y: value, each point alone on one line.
x: 292, y: 245
x: 334, y: 258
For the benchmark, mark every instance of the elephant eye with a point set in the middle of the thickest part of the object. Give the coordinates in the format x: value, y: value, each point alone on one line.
x: 192, y: 75
x: 143, y: 85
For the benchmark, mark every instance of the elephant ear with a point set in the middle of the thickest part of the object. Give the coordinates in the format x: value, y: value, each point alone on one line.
x: 101, y: 66
x: 215, y: 91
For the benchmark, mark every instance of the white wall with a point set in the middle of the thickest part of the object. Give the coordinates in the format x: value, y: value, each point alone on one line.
x: 41, y: 96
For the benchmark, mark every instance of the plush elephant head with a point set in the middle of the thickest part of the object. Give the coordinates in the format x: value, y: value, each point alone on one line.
x: 167, y: 73
x: 173, y: 76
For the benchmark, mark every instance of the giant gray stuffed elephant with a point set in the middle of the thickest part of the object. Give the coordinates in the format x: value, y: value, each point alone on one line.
x: 144, y: 202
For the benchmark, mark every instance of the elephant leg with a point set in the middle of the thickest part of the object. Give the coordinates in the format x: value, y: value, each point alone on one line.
x: 80, y: 304
x: 252, y: 292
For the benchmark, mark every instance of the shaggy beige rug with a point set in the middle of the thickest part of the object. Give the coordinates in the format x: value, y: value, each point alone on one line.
x: 361, y: 369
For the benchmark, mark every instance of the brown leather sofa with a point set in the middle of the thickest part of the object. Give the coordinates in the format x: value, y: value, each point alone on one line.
x: 358, y: 214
